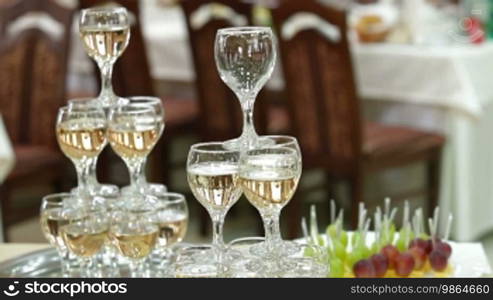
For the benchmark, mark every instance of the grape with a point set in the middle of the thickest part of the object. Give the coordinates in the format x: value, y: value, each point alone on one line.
x: 339, y: 250
x: 356, y: 238
x: 438, y: 260
x: 419, y: 256
x: 309, y: 252
x: 401, y: 244
x: 336, y: 268
x: 364, y: 269
x: 332, y: 231
x: 404, y: 264
x: 418, y: 242
x: 444, y: 248
x: 391, y: 253
x: 380, y: 263
x: 343, y: 238
x: 354, y: 257
x: 429, y: 246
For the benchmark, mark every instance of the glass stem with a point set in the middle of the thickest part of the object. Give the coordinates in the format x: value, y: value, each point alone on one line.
x: 91, y: 170
x: 217, y: 231
x: 272, y: 232
x: 81, y: 167
x: 106, y: 76
x: 136, y: 169
x: 65, y: 263
x: 136, y: 268
x: 249, y: 134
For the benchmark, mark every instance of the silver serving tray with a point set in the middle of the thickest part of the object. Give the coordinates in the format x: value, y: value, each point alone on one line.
x: 41, y: 263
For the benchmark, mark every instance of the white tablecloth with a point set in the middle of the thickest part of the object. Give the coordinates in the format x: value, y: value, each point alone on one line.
x: 445, y: 89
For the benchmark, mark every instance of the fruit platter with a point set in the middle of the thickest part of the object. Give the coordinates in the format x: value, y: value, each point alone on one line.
x: 416, y: 249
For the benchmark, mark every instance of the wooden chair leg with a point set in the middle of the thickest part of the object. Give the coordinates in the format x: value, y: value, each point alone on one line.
x: 356, y: 192
x: 433, y: 170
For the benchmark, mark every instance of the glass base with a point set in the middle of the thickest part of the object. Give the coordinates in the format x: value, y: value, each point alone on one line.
x: 243, y: 144
x: 150, y: 188
x: 107, y: 102
x: 103, y: 190
x: 282, y: 249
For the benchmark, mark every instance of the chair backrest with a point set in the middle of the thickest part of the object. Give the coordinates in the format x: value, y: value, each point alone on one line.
x: 220, y: 110
x: 321, y: 90
x: 131, y: 74
x: 34, y: 47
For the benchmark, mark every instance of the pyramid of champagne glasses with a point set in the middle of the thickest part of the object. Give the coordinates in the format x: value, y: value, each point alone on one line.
x: 100, y: 230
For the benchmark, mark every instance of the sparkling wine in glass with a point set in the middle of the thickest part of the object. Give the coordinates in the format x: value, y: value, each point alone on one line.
x: 133, y: 131
x: 57, y: 212
x: 86, y: 238
x: 81, y: 135
x: 212, y: 173
x: 96, y: 188
x: 245, y: 58
x: 171, y: 217
x: 152, y: 188
x: 269, y: 178
x: 133, y: 231
x: 105, y: 34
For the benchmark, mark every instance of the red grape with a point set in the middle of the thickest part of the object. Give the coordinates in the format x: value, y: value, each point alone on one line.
x: 364, y: 269
x: 391, y: 252
x: 380, y: 263
x: 418, y: 242
x: 429, y: 246
x: 438, y: 260
x: 404, y: 264
x: 419, y: 256
x: 444, y: 248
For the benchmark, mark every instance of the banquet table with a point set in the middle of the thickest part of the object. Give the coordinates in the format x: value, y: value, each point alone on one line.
x: 439, y: 88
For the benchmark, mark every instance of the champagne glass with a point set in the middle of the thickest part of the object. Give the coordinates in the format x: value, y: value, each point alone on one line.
x: 153, y: 188
x: 86, y: 237
x: 133, y: 131
x: 57, y: 211
x: 269, y: 177
x: 105, y: 33
x: 81, y: 135
x: 134, y: 232
x: 96, y: 188
x: 245, y: 58
x: 212, y: 172
x: 277, y: 141
x: 171, y: 217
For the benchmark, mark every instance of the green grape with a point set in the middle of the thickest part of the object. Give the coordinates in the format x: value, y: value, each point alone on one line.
x: 332, y: 231
x: 391, y: 232
x: 336, y: 268
x: 355, y: 256
x: 321, y: 240
x: 343, y: 238
x: 424, y: 236
x: 309, y: 252
x: 401, y: 244
x: 355, y: 239
x: 375, y: 248
x: 340, y: 250
x: 365, y: 252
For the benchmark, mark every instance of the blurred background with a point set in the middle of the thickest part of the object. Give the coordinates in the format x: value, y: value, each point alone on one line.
x: 388, y: 98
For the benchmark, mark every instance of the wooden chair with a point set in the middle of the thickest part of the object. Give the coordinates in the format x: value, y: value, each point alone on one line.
x: 325, y: 111
x: 132, y: 77
x: 33, y: 68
